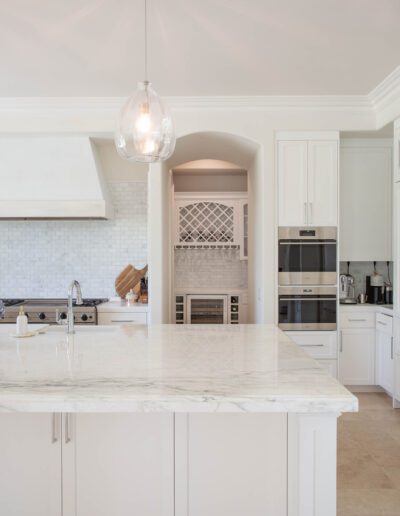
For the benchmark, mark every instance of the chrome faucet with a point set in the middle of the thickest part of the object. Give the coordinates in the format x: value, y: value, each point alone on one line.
x: 70, y: 317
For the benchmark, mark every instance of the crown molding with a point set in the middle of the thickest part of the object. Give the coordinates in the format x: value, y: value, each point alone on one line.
x: 44, y: 105
x: 382, y: 103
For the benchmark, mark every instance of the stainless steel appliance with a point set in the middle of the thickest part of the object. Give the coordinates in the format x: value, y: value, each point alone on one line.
x: 347, y: 291
x: 307, y: 308
x: 50, y: 310
x: 307, y: 256
x: 207, y: 309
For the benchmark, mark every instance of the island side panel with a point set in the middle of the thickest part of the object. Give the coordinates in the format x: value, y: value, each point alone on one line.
x: 312, y: 445
x: 230, y: 464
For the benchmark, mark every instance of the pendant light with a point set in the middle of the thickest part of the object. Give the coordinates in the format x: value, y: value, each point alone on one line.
x: 145, y: 132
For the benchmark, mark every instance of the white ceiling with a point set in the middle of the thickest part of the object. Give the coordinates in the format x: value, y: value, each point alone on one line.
x: 197, y: 47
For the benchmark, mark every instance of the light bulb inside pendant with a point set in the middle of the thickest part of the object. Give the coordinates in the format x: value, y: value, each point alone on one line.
x: 145, y: 132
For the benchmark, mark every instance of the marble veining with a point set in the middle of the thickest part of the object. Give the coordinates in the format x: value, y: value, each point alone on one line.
x: 160, y: 368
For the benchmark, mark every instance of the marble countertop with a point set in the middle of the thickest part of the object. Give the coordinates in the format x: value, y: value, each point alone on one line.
x: 164, y: 368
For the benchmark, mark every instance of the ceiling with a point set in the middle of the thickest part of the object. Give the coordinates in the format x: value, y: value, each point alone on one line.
x: 197, y: 47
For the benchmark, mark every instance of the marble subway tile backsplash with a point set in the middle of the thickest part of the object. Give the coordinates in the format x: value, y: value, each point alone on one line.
x: 360, y: 270
x: 39, y: 258
x: 210, y: 268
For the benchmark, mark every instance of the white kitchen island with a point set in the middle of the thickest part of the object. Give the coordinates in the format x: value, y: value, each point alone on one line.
x: 166, y: 420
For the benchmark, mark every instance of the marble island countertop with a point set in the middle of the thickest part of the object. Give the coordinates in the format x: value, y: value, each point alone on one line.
x: 174, y: 368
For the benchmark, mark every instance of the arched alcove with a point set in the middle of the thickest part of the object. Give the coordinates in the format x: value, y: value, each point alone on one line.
x: 193, y: 151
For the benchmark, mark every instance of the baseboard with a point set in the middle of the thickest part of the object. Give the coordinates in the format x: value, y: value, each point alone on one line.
x: 364, y: 388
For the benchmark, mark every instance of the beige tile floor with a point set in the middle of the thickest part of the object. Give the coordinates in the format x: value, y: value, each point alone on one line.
x: 369, y: 459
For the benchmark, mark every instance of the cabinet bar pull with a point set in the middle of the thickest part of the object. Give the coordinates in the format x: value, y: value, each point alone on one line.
x: 54, y: 428
x: 305, y: 213
x: 341, y: 341
x: 391, y: 348
x: 358, y: 320
x: 380, y: 322
x: 311, y: 212
x: 123, y: 320
x: 67, y: 429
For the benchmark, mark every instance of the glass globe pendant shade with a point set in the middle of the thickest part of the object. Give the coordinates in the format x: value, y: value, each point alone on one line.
x: 145, y: 132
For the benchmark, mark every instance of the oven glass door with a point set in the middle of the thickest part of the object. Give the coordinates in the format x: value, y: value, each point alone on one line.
x: 305, y: 262
x: 307, y: 313
x: 207, y: 309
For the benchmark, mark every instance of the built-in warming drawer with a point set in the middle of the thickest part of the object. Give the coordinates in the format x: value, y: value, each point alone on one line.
x: 317, y: 344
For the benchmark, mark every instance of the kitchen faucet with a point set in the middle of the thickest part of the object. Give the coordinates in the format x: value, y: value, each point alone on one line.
x: 70, y: 317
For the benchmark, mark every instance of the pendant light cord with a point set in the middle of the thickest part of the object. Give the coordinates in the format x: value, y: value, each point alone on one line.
x: 145, y: 40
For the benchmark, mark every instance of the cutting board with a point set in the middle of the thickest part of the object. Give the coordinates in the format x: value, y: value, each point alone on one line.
x: 129, y: 279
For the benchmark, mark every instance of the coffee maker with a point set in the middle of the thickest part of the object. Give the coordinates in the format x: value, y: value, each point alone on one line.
x: 375, y: 288
x: 346, y: 288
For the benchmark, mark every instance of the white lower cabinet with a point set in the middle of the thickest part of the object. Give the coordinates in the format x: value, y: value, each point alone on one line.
x: 357, y: 356
x: 30, y: 465
x: 384, y: 352
x: 120, y: 464
x: 118, y: 318
x: 321, y: 345
x: 231, y: 464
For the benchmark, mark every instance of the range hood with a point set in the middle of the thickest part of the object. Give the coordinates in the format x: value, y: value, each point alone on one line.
x: 52, y: 177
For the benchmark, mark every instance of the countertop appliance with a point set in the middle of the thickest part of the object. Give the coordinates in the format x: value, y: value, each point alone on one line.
x: 307, y: 308
x: 307, y: 256
x: 347, y: 292
x: 49, y: 310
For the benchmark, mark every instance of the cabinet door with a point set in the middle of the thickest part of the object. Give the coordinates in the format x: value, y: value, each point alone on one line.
x: 30, y: 465
x: 396, y: 246
x: 292, y: 183
x: 322, y: 183
x: 357, y: 357
x: 120, y: 464
x: 384, y: 361
x: 231, y: 464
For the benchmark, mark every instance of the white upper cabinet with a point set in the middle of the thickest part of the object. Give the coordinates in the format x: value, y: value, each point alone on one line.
x: 322, y: 183
x: 366, y: 200
x: 307, y: 182
x: 292, y: 183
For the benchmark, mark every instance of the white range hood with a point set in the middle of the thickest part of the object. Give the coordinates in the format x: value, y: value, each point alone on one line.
x: 52, y: 177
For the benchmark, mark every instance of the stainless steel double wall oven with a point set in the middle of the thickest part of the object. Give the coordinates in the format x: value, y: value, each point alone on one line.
x: 307, y: 278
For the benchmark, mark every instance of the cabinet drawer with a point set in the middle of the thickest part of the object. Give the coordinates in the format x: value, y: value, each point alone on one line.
x: 316, y: 344
x: 329, y: 365
x: 384, y: 323
x: 357, y: 319
x: 122, y: 318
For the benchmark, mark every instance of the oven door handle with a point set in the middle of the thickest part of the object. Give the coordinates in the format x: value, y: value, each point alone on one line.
x: 307, y: 243
x: 308, y: 299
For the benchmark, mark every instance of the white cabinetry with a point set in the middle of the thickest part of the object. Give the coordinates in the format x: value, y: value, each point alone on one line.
x: 231, y: 464
x: 207, y: 220
x: 321, y: 345
x: 357, y: 357
x: 357, y: 345
x: 30, y: 465
x: 396, y: 345
x: 121, y: 464
x: 118, y: 318
x: 103, y: 464
x: 366, y: 200
x: 307, y: 182
x: 384, y: 352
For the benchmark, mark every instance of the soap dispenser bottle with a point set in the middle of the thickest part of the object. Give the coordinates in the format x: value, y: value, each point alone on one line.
x: 22, y: 322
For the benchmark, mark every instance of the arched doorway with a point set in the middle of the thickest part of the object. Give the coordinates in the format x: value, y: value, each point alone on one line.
x: 240, y: 155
